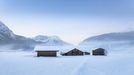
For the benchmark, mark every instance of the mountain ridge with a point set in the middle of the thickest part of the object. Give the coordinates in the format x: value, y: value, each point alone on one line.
x: 7, y: 37
x: 116, y: 36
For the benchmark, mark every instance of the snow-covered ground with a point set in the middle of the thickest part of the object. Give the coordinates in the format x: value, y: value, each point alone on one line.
x: 26, y: 63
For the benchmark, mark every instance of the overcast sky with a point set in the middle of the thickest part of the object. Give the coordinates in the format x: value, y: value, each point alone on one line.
x: 72, y: 20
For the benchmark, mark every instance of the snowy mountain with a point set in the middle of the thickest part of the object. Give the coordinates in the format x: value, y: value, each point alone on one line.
x: 50, y: 40
x: 111, y: 40
x: 121, y: 36
x: 8, y: 38
x: 5, y: 32
x: 40, y: 38
x: 12, y: 41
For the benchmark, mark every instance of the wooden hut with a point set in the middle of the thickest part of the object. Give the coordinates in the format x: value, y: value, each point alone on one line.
x: 46, y: 51
x: 73, y: 52
x: 99, y: 51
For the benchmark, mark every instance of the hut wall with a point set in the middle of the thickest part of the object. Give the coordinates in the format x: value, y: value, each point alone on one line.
x: 98, y: 52
x: 87, y: 53
x: 47, y: 53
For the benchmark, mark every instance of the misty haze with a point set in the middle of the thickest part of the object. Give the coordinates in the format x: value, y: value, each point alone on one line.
x: 66, y: 37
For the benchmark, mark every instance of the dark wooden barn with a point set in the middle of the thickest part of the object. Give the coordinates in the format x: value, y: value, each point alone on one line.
x: 47, y: 53
x: 73, y: 52
x: 99, y: 51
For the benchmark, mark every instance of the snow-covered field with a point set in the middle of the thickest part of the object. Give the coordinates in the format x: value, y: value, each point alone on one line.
x: 26, y: 63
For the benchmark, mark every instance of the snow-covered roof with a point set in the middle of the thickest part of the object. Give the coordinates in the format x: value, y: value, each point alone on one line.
x: 60, y: 48
x: 42, y: 48
x: 53, y: 48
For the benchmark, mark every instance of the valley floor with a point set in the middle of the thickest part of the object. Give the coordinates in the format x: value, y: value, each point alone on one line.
x: 26, y: 63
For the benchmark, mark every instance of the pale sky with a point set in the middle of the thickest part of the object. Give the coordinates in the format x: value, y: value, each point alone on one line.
x: 71, y: 20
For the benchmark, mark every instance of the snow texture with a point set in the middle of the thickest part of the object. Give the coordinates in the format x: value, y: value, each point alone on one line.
x: 26, y: 63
